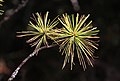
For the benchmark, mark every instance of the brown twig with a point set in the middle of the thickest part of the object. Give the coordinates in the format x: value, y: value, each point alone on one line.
x: 20, y: 6
x: 75, y: 5
x: 25, y: 60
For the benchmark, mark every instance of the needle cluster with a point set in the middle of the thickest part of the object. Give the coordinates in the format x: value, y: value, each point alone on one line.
x: 74, y: 37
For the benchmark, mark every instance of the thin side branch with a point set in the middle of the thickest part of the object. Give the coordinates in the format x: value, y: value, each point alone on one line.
x: 25, y: 60
x: 20, y: 6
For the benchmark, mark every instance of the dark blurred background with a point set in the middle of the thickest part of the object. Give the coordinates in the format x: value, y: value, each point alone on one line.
x: 47, y: 65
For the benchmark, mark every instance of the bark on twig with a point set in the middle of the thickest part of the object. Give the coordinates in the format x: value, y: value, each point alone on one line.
x: 25, y: 60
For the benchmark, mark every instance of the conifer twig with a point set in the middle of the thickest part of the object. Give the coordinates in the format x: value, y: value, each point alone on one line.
x: 26, y: 59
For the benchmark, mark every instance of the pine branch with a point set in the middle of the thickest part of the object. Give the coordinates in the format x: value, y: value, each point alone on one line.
x: 26, y: 59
